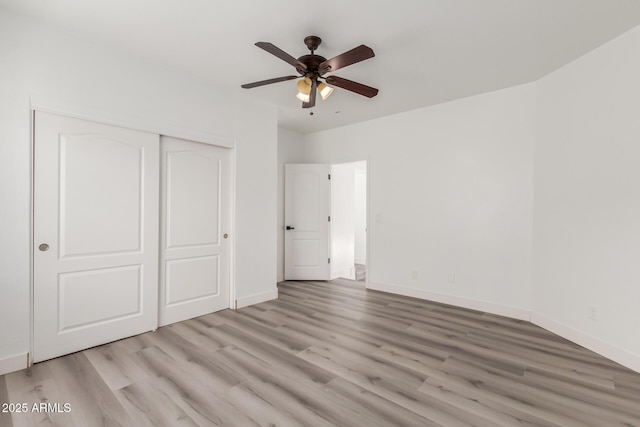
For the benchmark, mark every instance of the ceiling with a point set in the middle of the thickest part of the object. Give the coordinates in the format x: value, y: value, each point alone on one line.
x: 427, y: 51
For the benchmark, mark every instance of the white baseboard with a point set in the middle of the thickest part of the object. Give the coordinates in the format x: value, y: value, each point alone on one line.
x: 13, y: 363
x: 280, y: 278
x: 362, y: 261
x: 487, y: 307
x: 610, y: 351
x: 257, y: 298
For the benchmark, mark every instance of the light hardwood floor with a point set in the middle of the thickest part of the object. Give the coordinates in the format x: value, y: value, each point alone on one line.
x: 332, y: 353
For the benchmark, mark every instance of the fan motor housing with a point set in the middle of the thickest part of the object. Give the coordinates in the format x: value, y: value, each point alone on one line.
x: 312, y: 62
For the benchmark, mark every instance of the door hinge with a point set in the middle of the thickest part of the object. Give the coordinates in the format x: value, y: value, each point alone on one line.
x: 329, y: 218
x: 328, y: 260
x: 329, y: 176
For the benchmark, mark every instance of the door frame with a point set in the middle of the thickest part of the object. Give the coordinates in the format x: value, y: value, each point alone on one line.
x: 368, y: 257
x: 114, y: 118
x: 367, y: 161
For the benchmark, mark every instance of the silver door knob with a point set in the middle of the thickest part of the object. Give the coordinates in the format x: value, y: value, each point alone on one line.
x: 225, y: 235
x: 43, y: 247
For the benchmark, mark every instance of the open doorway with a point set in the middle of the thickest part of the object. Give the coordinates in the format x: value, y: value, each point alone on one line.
x: 349, y: 220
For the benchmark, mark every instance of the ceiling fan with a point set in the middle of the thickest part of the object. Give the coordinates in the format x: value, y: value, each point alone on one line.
x: 312, y: 69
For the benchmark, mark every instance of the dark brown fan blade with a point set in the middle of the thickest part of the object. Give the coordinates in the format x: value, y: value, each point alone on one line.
x: 356, y: 87
x: 312, y: 95
x: 274, y: 50
x: 268, y: 82
x: 352, y: 56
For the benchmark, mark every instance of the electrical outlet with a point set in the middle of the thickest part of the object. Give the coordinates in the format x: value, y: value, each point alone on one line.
x: 452, y: 277
x: 414, y: 274
x: 592, y: 312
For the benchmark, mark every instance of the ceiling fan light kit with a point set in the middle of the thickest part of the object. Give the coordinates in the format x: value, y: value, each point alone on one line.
x: 312, y: 69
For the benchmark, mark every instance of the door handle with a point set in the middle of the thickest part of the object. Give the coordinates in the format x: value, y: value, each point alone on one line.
x: 43, y: 247
x: 290, y: 227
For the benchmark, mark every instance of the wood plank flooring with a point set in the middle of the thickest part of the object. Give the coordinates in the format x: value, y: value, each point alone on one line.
x: 331, y: 354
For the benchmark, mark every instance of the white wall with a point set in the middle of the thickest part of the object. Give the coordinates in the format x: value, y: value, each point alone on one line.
x: 290, y: 150
x: 450, y: 190
x: 587, y: 200
x: 256, y: 202
x: 343, y: 220
x: 360, y: 212
x: 110, y: 87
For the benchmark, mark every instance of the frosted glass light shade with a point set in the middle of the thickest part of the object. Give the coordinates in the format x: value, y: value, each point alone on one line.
x: 304, y: 89
x: 325, y: 90
x: 302, y: 97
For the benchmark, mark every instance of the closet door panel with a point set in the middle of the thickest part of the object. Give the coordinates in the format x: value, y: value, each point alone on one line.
x: 95, y: 234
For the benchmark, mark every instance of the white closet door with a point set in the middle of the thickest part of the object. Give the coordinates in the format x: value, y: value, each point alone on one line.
x: 194, y: 255
x: 95, y: 234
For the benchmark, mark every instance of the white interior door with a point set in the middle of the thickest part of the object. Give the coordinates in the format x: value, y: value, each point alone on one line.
x: 95, y: 234
x: 306, y: 215
x: 195, y: 202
